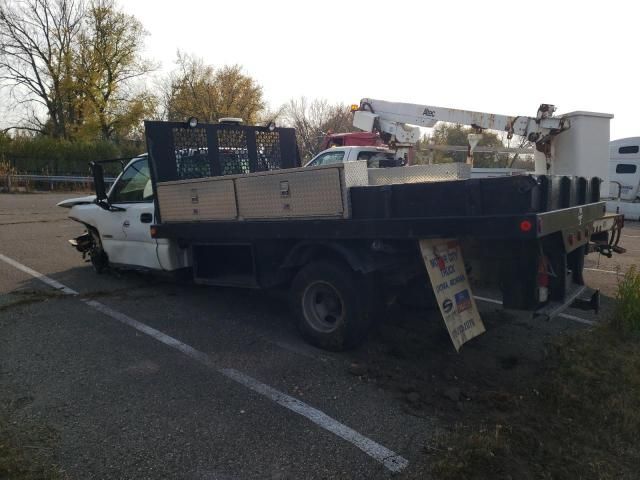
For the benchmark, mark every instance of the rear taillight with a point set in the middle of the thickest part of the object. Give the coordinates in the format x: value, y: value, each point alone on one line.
x: 526, y: 226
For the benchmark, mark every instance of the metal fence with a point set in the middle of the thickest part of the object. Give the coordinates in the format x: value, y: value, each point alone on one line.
x: 50, y: 180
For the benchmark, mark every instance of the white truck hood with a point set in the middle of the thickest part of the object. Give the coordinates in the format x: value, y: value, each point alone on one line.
x: 77, y: 201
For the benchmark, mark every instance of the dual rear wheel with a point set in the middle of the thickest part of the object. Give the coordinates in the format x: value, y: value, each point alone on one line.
x: 332, y: 304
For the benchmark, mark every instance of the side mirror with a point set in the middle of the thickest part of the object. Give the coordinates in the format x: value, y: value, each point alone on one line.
x: 98, y: 182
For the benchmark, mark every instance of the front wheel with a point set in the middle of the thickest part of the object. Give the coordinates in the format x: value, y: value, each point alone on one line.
x: 332, y: 305
x: 97, y: 255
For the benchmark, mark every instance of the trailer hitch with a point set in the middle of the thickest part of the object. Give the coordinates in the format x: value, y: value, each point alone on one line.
x: 609, y: 250
x: 606, y: 241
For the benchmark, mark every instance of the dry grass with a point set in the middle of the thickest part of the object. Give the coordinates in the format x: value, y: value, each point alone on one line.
x: 580, y: 418
x: 627, y: 316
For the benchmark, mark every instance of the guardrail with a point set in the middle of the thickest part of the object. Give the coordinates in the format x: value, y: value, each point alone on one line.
x: 16, y: 179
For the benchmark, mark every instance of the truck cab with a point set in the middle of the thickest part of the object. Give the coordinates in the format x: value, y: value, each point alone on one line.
x: 118, y: 232
x: 376, y: 157
x: 624, y: 175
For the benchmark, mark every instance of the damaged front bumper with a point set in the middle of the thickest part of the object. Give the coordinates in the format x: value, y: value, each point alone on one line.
x: 83, y: 243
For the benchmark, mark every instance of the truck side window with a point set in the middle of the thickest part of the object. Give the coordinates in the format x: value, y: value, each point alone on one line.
x: 328, y: 159
x: 382, y: 160
x: 365, y: 155
x: 629, y: 149
x: 134, y: 185
x: 625, y: 168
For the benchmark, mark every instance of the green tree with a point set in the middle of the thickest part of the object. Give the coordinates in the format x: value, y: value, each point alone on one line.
x: 199, y: 90
x: 457, y: 135
x: 109, y: 60
x: 72, y: 67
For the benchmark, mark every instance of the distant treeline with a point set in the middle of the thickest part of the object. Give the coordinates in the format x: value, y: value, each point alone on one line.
x: 48, y: 156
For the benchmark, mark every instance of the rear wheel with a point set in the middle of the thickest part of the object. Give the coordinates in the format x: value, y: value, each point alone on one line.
x: 333, y: 310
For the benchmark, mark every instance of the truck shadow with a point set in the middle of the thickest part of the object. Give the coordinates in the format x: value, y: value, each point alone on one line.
x: 408, y: 353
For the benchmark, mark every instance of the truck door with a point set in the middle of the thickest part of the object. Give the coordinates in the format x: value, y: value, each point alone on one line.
x: 125, y: 233
x: 627, y: 174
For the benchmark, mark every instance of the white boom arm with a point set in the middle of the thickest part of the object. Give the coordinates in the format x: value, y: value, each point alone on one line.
x: 574, y: 144
x: 394, y: 119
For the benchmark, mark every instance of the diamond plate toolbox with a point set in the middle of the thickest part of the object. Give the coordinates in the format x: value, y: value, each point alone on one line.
x: 419, y: 173
x: 197, y: 200
x: 310, y: 192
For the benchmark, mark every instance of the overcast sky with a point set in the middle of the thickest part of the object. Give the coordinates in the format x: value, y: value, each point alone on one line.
x: 494, y: 56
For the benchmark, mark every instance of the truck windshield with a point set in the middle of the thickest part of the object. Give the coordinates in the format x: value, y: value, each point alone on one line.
x: 134, y: 185
x: 328, y: 158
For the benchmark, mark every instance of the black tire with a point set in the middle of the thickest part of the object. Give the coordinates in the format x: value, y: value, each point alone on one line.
x: 98, y: 257
x: 332, y: 305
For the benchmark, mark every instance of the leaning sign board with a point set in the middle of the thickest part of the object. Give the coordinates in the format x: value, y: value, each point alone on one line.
x: 445, y: 265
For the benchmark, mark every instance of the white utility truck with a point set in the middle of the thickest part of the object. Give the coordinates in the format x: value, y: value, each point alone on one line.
x: 376, y: 157
x: 231, y: 205
x: 382, y: 157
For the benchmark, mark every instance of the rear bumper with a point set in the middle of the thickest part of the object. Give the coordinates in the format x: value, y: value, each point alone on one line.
x: 573, y: 218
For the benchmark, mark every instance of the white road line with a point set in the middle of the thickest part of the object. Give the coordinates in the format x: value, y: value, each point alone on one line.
x: 563, y: 315
x: 601, y: 271
x: 391, y: 460
x: 43, y: 278
x: 577, y: 319
x: 488, y: 300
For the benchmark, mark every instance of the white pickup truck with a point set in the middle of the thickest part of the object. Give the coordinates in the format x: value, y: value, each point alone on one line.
x: 376, y: 157
x: 121, y: 236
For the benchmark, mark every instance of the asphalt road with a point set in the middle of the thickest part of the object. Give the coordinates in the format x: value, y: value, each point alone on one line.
x: 137, y: 376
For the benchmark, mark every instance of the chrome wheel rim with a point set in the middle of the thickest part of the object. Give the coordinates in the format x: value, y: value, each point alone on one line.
x: 323, y: 307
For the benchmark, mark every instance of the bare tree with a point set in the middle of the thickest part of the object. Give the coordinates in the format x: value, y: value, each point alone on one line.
x: 36, y: 58
x: 269, y: 114
x: 518, y: 160
x: 315, y: 119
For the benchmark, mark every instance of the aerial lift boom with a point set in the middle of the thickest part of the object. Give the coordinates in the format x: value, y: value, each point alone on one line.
x: 400, y: 122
